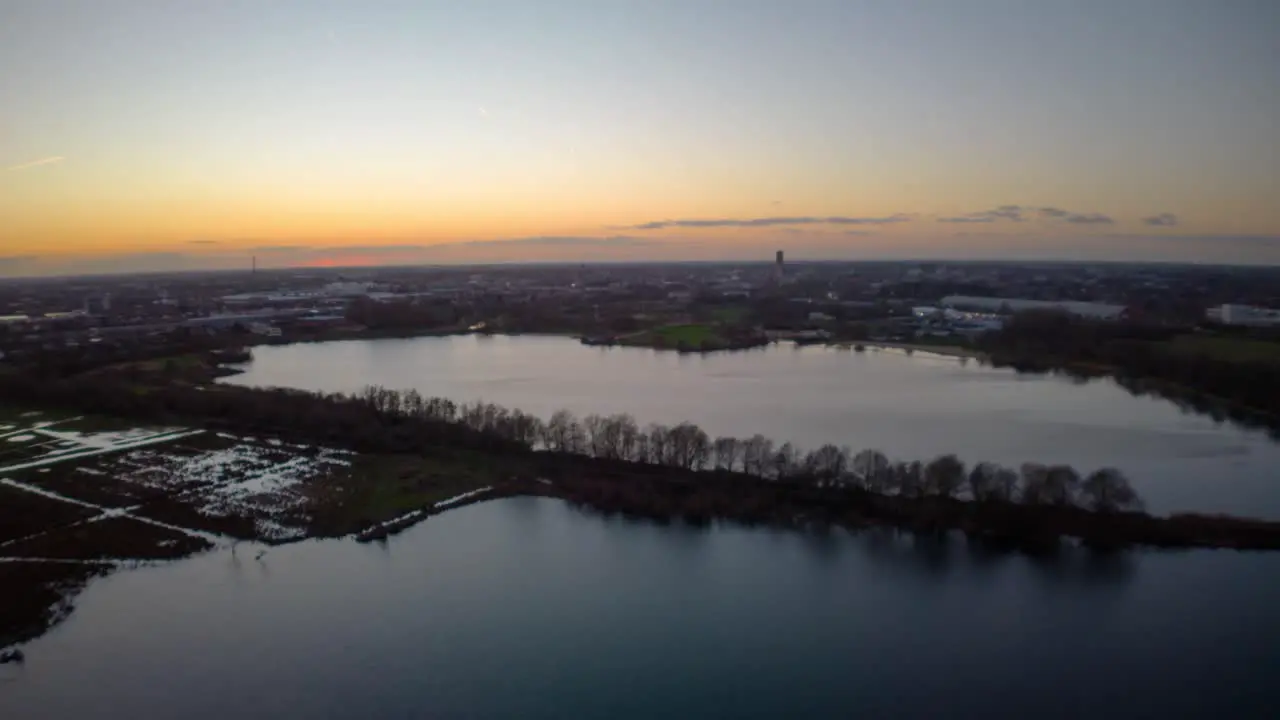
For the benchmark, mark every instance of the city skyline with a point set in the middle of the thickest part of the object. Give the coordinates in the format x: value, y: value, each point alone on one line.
x: 144, y: 135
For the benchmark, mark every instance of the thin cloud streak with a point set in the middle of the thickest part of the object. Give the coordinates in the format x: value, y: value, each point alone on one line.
x: 1018, y: 213
x: 37, y: 163
x: 570, y: 241
x: 1012, y: 213
x: 1090, y: 219
x: 771, y: 222
x: 1161, y: 220
x: 276, y: 248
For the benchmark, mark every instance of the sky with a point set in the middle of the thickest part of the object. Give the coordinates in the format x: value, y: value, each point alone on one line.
x: 142, y: 135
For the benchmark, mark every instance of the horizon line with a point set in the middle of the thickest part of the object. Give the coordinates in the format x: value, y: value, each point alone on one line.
x: 617, y: 263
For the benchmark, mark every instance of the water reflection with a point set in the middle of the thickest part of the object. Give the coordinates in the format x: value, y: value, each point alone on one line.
x: 528, y: 608
x: 929, y: 556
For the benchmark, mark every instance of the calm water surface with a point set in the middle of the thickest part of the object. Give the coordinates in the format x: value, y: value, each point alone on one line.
x: 526, y: 608
x: 912, y: 407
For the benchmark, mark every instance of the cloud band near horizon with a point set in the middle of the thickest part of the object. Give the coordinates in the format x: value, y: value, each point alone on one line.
x: 1022, y: 213
x: 1002, y: 213
x: 770, y: 222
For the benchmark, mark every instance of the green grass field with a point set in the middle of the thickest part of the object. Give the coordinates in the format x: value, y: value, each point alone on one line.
x: 692, y: 335
x: 383, y: 487
x: 1228, y: 348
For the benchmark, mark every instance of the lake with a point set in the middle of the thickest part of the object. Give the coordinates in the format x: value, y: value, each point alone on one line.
x: 911, y: 407
x: 526, y: 608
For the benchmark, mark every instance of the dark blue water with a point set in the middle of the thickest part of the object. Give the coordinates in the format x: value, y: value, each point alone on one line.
x: 526, y: 608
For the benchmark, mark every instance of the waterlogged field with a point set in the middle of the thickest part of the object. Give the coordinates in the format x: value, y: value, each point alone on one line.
x: 247, y: 488
x: 81, y: 496
x: 34, y: 440
x: 218, y: 483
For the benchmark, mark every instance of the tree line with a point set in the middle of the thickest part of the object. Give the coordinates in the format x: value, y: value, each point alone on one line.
x: 378, y: 419
x: 619, y: 437
x: 1134, y: 353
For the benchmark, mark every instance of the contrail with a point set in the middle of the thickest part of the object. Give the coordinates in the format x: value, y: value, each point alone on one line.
x: 37, y: 163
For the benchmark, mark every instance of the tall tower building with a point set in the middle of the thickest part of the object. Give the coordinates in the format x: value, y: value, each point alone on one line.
x: 777, y: 268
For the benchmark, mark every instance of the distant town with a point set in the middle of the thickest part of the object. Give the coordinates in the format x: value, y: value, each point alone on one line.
x: 690, y: 307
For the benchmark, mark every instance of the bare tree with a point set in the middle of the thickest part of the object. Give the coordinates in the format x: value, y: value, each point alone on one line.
x: 472, y: 415
x: 659, y: 444
x: 989, y: 482
x: 909, y: 478
x: 725, y: 450
x: 493, y: 417
x: 1049, y: 485
x: 826, y: 464
x: 872, y: 470
x: 1108, y: 490
x: 700, y: 453
x: 641, y: 452
x: 1005, y: 485
x: 442, y: 409
x: 625, y: 433
x: 524, y: 429
x: 689, y: 446
x: 786, y: 462
x: 757, y: 453
x: 981, y: 479
x: 944, y: 476
x: 1062, y: 483
x: 412, y: 403
x: 596, y: 428
x: 564, y: 434
x: 1035, y: 481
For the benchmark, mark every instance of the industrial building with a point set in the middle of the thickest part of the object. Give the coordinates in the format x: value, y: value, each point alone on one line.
x: 1008, y: 306
x: 1247, y: 315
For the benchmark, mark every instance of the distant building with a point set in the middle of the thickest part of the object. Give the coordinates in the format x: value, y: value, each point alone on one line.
x: 1247, y: 315
x: 265, y: 329
x: 778, y: 267
x: 346, y: 289
x: 228, y: 320
x: 1008, y: 306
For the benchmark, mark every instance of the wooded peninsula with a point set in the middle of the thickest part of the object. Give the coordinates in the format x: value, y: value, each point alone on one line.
x: 664, y: 472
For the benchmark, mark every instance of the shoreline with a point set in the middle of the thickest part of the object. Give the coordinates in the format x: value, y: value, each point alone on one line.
x: 665, y: 496
x: 993, y: 525
x: 592, y: 341
x: 958, y: 351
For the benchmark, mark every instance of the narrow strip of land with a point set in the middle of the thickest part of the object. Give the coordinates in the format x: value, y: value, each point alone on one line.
x: 118, y: 447
x: 106, y: 513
